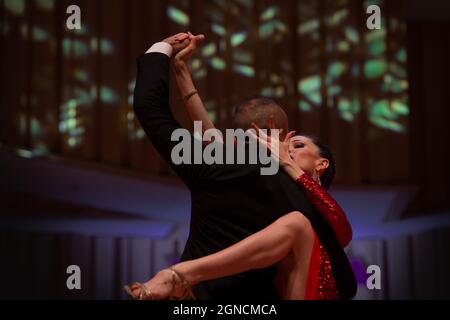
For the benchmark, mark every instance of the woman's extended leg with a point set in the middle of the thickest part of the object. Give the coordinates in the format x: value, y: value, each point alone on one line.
x: 293, y: 269
x: 290, y: 237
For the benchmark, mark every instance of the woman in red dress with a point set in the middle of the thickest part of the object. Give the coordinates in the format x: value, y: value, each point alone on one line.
x: 304, y: 269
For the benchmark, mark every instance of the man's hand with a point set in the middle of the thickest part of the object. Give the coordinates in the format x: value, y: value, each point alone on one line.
x: 183, y: 56
x: 178, y: 42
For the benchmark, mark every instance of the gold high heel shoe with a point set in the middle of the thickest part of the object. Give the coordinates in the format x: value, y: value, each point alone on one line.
x: 145, y: 293
x: 188, y: 294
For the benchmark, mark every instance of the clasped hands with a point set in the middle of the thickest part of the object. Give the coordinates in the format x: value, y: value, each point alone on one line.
x: 183, y: 46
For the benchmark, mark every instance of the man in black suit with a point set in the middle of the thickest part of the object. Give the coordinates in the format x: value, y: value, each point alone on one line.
x: 229, y: 202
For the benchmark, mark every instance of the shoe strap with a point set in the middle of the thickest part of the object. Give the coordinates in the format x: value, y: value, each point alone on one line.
x: 187, y: 294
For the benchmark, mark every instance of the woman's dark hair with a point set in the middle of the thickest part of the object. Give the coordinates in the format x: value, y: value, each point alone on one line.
x: 324, y: 151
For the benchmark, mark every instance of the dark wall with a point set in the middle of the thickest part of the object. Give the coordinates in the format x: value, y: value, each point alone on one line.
x: 429, y: 78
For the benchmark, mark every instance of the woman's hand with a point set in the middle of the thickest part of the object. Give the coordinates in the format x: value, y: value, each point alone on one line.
x: 181, y: 59
x: 280, y: 151
x: 178, y: 41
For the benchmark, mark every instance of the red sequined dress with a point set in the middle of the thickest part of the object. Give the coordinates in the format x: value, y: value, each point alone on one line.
x: 321, y: 284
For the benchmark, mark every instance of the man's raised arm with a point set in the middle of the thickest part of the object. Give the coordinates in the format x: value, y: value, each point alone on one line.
x: 151, y: 100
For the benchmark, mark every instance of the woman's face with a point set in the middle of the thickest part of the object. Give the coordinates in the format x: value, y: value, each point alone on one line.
x: 306, y: 155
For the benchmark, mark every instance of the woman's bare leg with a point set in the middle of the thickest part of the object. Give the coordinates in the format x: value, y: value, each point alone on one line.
x: 290, y: 237
x: 260, y: 250
x: 293, y: 269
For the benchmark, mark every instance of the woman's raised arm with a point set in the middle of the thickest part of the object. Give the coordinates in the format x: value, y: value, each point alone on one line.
x: 320, y: 198
x: 191, y: 98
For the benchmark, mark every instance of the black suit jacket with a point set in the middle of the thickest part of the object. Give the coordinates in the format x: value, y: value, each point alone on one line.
x: 229, y: 202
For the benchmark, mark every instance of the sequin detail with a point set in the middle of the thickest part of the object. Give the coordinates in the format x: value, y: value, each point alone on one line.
x: 328, y: 208
x: 336, y: 218
x: 326, y: 285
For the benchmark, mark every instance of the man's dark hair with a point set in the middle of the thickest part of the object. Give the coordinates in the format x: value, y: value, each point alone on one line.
x: 258, y: 109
